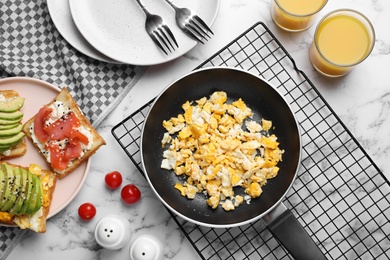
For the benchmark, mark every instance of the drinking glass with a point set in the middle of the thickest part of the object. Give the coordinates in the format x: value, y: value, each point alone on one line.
x: 343, y: 39
x: 295, y: 15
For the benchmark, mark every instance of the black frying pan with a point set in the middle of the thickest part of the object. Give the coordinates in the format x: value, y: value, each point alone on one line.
x: 265, y: 102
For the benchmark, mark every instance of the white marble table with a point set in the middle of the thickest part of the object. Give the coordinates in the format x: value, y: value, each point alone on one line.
x: 361, y: 99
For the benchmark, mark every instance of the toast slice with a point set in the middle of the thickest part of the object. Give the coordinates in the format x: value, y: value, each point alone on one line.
x: 35, y: 221
x: 18, y: 147
x: 58, y: 130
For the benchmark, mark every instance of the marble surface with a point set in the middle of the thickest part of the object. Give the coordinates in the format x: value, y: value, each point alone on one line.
x: 361, y: 99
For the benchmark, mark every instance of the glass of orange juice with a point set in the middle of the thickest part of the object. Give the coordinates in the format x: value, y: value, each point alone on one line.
x: 343, y: 39
x: 295, y: 15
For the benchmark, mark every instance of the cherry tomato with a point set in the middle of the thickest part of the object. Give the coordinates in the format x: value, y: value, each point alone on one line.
x: 130, y: 194
x: 87, y: 211
x: 113, y: 179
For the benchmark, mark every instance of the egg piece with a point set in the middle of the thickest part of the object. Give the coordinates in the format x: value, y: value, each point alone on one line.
x: 213, y: 201
x: 238, y: 200
x: 169, y: 160
x: 253, y: 126
x: 228, y: 205
x: 254, y: 190
x: 266, y: 124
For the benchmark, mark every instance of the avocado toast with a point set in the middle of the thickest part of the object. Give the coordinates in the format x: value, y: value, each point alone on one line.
x: 12, y: 142
x: 26, y: 195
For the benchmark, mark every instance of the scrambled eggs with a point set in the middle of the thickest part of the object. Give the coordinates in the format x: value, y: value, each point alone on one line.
x: 209, y: 146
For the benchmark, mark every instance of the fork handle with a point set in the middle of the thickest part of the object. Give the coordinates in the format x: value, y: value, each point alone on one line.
x: 171, y: 3
x: 141, y: 4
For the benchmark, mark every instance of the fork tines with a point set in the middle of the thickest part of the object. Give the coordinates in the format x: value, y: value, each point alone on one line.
x: 161, y: 38
x: 197, y: 29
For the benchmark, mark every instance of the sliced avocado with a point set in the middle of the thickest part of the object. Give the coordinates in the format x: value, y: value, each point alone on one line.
x: 11, y: 115
x: 39, y: 203
x: 10, y: 121
x: 29, y: 187
x: 3, y: 127
x: 11, y: 131
x: 21, y: 192
x: 14, y: 189
x: 8, y: 185
x: 3, y: 184
x: 4, y: 141
x: 12, y: 104
x: 4, y: 148
x: 34, y: 196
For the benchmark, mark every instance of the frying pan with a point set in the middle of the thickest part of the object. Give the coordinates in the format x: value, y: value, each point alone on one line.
x: 265, y: 102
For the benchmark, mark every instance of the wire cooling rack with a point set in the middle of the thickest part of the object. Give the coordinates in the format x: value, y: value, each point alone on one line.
x: 340, y: 196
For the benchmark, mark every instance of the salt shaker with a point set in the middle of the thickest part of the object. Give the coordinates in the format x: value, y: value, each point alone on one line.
x: 112, y: 232
x: 146, y: 247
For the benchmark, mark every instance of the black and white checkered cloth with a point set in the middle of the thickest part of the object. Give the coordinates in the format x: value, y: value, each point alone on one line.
x: 9, y: 237
x: 31, y: 46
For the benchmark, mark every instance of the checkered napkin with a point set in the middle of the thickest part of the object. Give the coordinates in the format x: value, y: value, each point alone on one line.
x: 31, y: 46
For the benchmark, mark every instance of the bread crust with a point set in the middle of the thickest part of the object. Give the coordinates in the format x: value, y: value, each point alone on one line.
x: 65, y: 97
x: 9, y: 219
x: 21, y: 148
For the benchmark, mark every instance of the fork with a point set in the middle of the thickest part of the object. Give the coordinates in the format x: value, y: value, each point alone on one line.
x: 191, y: 24
x: 158, y: 30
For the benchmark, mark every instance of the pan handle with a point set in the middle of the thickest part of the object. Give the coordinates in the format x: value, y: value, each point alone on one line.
x: 286, y: 228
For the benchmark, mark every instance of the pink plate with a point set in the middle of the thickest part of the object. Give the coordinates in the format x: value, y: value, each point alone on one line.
x: 38, y: 93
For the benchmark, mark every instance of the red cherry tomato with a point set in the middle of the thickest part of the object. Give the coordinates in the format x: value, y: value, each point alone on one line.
x: 87, y: 211
x: 113, y: 179
x: 130, y: 194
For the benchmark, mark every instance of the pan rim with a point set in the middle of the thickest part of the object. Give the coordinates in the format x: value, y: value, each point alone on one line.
x: 240, y: 223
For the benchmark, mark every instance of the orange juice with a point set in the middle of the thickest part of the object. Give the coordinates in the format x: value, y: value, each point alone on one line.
x: 295, y: 15
x: 342, y: 39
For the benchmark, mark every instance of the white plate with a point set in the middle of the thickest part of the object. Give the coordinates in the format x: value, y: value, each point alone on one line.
x: 38, y: 93
x: 117, y: 27
x: 60, y: 14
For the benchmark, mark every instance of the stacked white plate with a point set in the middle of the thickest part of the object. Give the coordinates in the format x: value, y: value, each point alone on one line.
x: 114, y: 30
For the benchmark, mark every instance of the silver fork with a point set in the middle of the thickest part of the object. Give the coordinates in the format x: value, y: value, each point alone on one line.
x: 158, y: 30
x: 191, y: 24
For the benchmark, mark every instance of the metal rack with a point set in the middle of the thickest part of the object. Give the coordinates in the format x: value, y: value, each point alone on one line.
x: 340, y: 196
